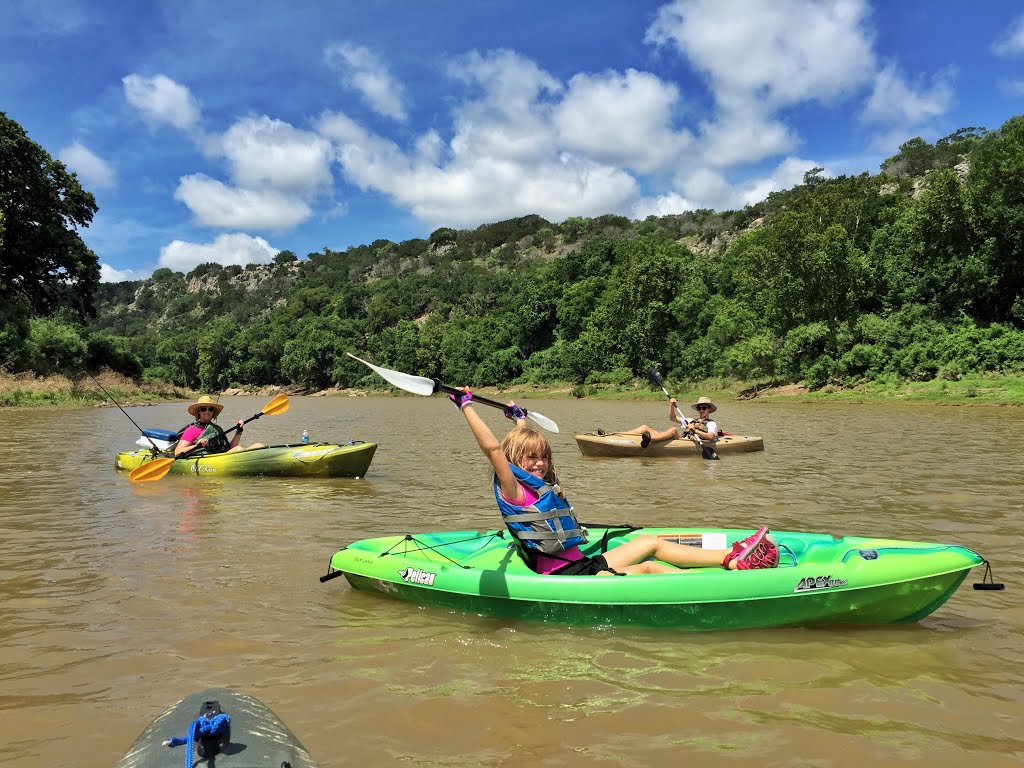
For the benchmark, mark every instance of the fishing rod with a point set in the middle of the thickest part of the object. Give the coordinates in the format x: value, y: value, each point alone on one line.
x: 141, y: 430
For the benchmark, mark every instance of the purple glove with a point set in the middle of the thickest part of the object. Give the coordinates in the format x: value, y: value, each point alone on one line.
x: 514, y: 412
x: 461, y: 400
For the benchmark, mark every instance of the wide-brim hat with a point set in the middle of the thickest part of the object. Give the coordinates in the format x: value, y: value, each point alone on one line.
x: 205, y: 400
x: 705, y: 401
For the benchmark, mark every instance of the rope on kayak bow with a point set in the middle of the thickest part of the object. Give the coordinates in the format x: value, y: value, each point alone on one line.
x: 437, y: 547
x: 212, y: 730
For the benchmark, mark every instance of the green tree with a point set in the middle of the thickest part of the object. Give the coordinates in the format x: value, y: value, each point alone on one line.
x: 56, y: 344
x: 42, y: 257
x: 915, y: 158
x: 216, y: 356
x: 931, y: 254
x: 640, y: 293
x: 175, y: 360
x: 997, y: 166
x: 14, y: 330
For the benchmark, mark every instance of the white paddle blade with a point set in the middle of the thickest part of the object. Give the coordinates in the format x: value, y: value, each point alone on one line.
x: 542, y: 421
x: 418, y: 385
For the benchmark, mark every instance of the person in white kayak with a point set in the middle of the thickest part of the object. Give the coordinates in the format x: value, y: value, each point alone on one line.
x: 703, y: 427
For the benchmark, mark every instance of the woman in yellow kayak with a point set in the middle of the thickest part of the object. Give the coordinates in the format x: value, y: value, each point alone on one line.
x: 548, y: 533
x: 205, y: 436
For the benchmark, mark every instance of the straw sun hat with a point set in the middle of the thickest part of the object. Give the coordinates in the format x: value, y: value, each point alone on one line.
x: 205, y: 400
x: 705, y: 401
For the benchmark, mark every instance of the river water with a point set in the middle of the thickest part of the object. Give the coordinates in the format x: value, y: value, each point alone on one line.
x: 118, y: 599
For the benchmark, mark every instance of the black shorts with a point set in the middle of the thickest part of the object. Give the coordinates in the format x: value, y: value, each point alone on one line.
x: 588, y: 566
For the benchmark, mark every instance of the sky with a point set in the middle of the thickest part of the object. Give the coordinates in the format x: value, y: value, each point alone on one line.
x: 229, y: 131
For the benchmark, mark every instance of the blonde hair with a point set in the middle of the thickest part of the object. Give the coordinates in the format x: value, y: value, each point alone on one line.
x: 521, y: 442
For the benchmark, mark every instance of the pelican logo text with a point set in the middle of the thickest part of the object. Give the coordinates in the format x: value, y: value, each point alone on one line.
x: 819, y: 582
x: 416, y: 576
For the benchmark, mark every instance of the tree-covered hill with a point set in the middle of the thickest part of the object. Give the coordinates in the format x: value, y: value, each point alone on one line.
x: 913, y: 273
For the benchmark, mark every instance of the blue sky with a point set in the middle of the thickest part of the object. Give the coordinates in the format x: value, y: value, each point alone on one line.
x: 228, y: 131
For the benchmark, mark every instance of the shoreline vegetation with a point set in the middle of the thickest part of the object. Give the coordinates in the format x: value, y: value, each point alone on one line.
x: 31, y: 391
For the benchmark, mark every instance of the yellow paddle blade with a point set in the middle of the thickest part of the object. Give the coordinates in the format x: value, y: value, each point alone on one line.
x: 277, y: 406
x: 151, y: 470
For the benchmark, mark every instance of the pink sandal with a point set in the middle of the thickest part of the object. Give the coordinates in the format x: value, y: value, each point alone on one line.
x: 756, y: 551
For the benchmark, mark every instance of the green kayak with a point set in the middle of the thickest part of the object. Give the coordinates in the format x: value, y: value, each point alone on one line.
x: 234, y: 730
x: 820, y: 580
x: 313, y: 459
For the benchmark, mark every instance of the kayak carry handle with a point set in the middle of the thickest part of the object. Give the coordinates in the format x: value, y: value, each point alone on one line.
x: 987, y: 583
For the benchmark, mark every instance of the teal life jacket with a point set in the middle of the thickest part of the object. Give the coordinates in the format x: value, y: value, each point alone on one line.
x: 219, y: 442
x: 548, y: 526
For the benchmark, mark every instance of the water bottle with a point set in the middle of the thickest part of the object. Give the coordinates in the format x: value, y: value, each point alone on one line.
x: 305, y: 436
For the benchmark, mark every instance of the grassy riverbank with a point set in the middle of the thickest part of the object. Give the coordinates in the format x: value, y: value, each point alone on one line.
x: 28, y: 390
x: 62, y: 392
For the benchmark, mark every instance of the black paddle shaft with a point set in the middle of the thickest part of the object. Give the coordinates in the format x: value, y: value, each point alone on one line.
x: 439, y: 387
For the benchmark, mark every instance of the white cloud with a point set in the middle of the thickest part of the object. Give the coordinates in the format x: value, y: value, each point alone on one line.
x: 160, y: 100
x: 778, y: 53
x: 662, y: 205
x: 215, y: 204
x: 787, y: 174
x: 276, y: 173
x: 1012, y: 42
x: 507, y: 116
x: 228, y: 249
x: 894, y: 101
x: 475, y: 186
x: 110, y: 275
x: 503, y: 159
x: 712, y: 189
x: 708, y: 186
x: 624, y: 119
x: 91, y: 169
x: 762, y: 58
x: 740, y: 138
x: 363, y: 71
x: 271, y: 153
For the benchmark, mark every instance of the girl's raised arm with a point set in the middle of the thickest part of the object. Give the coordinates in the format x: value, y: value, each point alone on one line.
x: 489, y: 445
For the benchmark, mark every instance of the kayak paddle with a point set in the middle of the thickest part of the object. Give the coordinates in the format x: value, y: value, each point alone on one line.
x: 154, y: 470
x: 421, y: 385
x: 706, y: 451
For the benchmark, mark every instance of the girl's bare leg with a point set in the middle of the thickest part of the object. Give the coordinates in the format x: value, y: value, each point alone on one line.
x: 638, y: 552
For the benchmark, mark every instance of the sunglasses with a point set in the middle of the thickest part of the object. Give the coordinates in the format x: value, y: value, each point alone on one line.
x: 703, y: 407
x: 202, y: 408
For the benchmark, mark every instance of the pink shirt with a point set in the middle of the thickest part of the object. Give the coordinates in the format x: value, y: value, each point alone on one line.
x: 544, y: 564
x: 191, y: 433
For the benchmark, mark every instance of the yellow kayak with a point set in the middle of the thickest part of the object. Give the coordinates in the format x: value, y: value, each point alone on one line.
x: 308, y: 460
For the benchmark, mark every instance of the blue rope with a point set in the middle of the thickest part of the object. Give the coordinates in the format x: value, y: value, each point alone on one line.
x: 201, y: 726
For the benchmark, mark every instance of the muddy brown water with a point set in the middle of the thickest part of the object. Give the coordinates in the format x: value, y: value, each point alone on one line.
x: 118, y: 599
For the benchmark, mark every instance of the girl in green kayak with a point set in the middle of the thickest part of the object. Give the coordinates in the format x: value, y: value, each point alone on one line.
x: 548, y: 533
